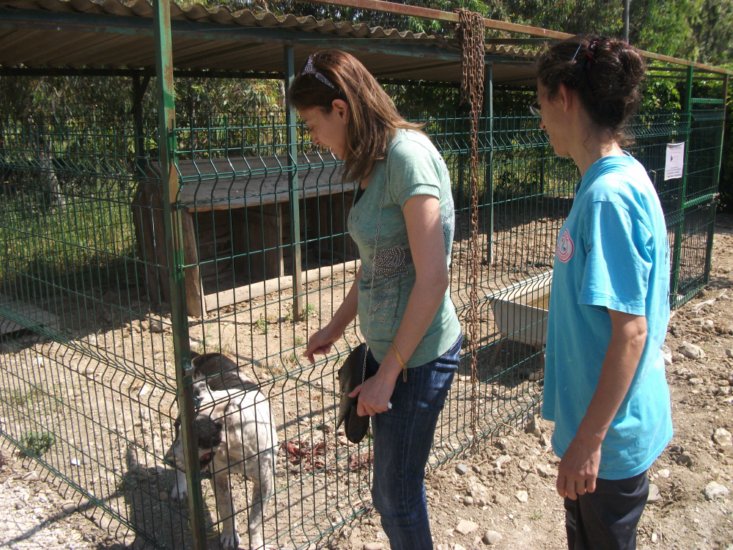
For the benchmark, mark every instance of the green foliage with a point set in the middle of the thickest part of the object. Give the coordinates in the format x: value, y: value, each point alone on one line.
x: 661, y: 95
x: 35, y: 444
x: 665, y: 27
x: 713, y: 29
x: 18, y: 398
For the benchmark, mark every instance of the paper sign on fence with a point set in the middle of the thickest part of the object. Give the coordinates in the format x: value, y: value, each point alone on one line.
x: 675, y: 161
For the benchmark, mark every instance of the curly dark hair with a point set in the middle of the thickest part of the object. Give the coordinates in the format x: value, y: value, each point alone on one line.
x: 605, y: 72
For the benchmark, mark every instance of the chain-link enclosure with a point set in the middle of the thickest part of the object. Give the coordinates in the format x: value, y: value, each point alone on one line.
x: 255, y: 247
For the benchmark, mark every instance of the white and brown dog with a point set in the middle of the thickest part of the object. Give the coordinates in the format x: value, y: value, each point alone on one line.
x: 234, y: 432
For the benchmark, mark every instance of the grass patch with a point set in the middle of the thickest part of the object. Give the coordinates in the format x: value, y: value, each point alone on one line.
x: 20, y: 398
x: 35, y: 444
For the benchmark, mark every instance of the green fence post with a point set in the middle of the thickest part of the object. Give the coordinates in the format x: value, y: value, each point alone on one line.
x: 719, y: 162
x: 175, y: 260
x: 711, y: 225
x: 293, y: 186
x: 489, y: 176
x: 679, y: 229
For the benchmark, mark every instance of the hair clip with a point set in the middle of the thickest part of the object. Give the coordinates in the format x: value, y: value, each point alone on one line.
x: 580, y: 45
x: 590, y: 53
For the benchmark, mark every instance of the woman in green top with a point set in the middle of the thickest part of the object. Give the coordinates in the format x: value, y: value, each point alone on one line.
x: 403, y: 222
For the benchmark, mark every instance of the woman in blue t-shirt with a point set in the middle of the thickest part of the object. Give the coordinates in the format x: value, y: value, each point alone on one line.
x: 605, y: 385
x: 402, y: 222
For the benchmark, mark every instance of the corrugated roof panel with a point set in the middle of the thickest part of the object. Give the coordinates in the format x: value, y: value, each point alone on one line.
x: 88, y: 36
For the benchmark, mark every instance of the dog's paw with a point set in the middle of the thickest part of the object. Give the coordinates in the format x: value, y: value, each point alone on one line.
x: 229, y: 541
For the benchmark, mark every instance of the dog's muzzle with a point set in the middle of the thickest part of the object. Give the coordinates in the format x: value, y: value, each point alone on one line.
x: 205, y: 460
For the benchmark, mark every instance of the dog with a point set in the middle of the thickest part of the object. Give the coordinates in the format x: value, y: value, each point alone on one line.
x: 233, y: 428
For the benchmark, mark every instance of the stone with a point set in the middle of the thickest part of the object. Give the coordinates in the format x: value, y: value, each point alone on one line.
x: 667, y: 354
x: 468, y: 500
x: 532, y: 427
x: 524, y: 466
x: 708, y: 324
x: 465, y: 527
x: 715, y: 490
x: 522, y: 496
x: 654, y: 495
x: 729, y: 353
x: 461, y: 469
x: 684, y: 460
x: 156, y: 326
x: 492, y: 537
x: 547, y: 470
x: 68, y: 507
x: 691, y: 351
x: 373, y: 546
x: 503, y: 459
x: 663, y: 473
x: 31, y: 476
x: 723, y: 437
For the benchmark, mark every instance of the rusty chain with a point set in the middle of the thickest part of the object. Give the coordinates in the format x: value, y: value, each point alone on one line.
x: 471, y: 34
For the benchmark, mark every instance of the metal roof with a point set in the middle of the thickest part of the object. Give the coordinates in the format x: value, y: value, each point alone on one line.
x: 118, y: 35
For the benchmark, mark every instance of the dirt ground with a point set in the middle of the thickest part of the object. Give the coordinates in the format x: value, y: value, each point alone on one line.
x: 502, y: 495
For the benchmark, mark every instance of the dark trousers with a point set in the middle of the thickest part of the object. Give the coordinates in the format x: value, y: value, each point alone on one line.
x: 607, y: 518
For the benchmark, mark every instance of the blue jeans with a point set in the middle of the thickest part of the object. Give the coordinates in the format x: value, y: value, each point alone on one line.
x: 402, y: 438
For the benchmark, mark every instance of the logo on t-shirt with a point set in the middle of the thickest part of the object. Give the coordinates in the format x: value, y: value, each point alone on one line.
x: 565, y: 247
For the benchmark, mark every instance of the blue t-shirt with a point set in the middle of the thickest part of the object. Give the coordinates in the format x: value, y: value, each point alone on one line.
x: 612, y: 253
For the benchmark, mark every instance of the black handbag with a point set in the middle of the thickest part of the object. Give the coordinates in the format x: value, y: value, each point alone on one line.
x: 350, y: 375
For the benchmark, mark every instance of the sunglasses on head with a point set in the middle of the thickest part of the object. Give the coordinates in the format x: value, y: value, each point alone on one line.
x: 310, y: 69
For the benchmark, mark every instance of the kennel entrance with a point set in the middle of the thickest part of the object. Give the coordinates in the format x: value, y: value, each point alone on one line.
x: 238, y: 231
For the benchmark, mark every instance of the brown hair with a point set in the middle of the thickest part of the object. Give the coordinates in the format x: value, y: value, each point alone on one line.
x: 333, y: 74
x: 605, y: 72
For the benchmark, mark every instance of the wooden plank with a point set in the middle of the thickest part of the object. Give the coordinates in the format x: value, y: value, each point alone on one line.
x: 194, y: 291
x: 33, y: 316
x: 265, y: 242
x: 243, y: 293
x: 438, y: 15
x: 143, y: 207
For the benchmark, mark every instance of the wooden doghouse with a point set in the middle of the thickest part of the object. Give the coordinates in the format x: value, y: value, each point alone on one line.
x: 237, y: 227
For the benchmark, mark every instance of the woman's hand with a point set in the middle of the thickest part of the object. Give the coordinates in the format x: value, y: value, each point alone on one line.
x: 578, y: 468
x: 320, y: 342
x: 375, y: 393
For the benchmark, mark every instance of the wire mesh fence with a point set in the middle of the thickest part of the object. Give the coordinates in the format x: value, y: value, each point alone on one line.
x: 87, y: 370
